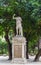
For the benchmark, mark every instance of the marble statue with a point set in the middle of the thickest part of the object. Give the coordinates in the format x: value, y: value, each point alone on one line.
x: 19, y: 30
x: 18, y: 43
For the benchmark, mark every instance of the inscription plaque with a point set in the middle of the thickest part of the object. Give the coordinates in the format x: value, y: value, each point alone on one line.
x: 18, y: 51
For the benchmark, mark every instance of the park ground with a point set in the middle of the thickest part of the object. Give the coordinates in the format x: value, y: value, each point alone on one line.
x: 4, y: 61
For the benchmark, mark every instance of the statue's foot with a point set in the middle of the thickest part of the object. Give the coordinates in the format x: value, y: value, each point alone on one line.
x: 16, y: 35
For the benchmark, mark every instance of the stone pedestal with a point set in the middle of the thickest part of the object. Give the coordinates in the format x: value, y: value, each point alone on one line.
x: 18, y: 48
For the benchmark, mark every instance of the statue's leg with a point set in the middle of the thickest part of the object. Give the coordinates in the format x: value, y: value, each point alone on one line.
x: 16, y: 30
x: 21, y: 32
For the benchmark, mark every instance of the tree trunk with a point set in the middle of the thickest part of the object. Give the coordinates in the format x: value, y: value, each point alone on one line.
x: 27, y: 57
x: 39, y: 50
x: 38, y: 55
x: 9, y: 45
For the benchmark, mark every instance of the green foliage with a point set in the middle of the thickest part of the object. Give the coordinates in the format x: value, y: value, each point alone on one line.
x: 29, y: 10
x: 3, y: 47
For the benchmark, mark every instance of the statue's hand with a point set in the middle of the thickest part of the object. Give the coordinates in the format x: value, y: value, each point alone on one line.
x: 13, y: 16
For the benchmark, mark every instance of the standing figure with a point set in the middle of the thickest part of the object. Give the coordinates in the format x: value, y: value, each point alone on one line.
x: 18, y: 25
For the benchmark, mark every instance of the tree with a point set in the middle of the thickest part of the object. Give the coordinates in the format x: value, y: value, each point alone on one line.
x: 7, y: 24
x: 30, y: 11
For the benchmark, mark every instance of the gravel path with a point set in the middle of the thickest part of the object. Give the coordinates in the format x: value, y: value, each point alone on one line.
x: 4, y: 61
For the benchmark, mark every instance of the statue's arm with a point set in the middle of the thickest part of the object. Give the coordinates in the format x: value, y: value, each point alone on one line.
x: 14, y: 17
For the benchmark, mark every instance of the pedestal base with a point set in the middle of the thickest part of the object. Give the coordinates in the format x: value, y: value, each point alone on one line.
x: 19, y: 60
x: 19, y: 49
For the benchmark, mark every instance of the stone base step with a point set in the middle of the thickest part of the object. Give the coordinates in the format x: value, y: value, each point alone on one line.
x: 20, y: 61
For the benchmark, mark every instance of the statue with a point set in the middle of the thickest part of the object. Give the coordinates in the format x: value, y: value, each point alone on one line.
x: 18, y: 42
x: 18, y: 25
